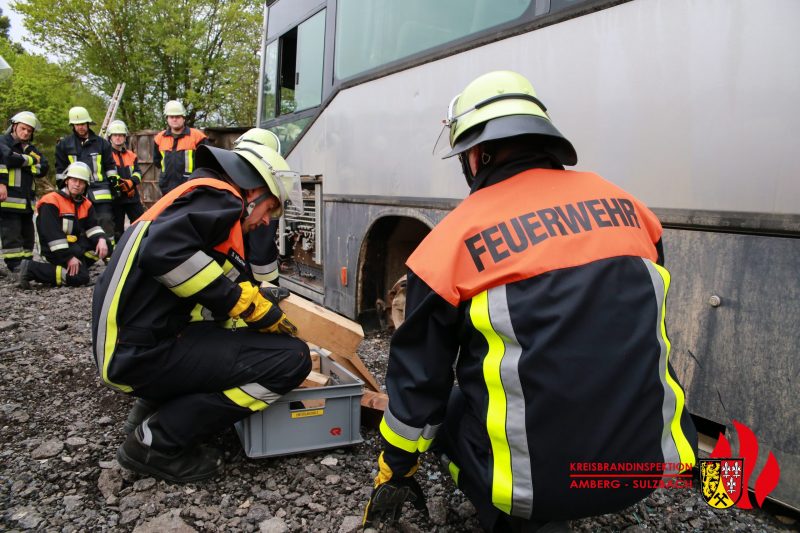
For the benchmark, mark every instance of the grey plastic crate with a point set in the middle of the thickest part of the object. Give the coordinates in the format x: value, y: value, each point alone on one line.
x: 281, y: 429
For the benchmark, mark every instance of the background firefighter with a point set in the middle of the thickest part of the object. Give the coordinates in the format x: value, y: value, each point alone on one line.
x: 178, y: 323
x: 70, y: 237
x: 126, y: 192
x: 545, y: 291
x: 175, y: 148
x: 22, y: 164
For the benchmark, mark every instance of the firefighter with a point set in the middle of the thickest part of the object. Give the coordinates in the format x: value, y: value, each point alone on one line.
x: 126, y: 193
x: 175, y: 147
x: 22, y: 164
x: 260, y: 243
x: 543, y: 292
x: 70, y: 237
x: 178, y: 324
x: 85, y: 146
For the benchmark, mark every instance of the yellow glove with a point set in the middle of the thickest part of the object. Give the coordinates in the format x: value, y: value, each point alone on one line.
x: 261, y: 313
x: 389, y: 494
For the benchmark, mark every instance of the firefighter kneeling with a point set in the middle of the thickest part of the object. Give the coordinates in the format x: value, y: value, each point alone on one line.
x: 557, y: 337
x: 70, y: 237
x: 178, y: 323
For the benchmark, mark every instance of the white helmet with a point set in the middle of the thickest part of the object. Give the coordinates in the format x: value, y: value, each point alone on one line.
x: 174, y: 108
x: 28, y: 118
x: 78, y: 170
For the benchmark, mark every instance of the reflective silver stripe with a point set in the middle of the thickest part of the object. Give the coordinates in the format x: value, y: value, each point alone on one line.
x: 260, y: 392
x: 12, y: 200
x: 67, y: 224
x: 404, y: 430
x: 264, y: 269
x: 95, y: 230
x: 58, y: 244
x: 101, y: 192
x: 8, y: 251
x: 63, y: 275
x: 429, y: 432
x: 147, y: 435
x: 185, y: 270
x: 231, y: 272
x: 516, y: 430
x: 668, y: 446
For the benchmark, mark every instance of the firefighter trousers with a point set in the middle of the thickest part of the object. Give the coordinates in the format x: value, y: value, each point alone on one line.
x: 210, y: 377
x: 56, y: 274
x: 105, y: 217
x: 17, y: 236
x: 133, y: 210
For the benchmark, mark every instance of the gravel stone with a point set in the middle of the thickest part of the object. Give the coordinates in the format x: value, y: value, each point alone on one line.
x: 323, y: 492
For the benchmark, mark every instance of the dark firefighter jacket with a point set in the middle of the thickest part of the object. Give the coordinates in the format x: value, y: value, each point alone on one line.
x: 177, y: 263
x: 262, y: 252
x: 127, y: 168
x: 95, y: 152
x: 22, y: 165
x: 174, y: 155
x: 67, y: 228
x: 544, y: 291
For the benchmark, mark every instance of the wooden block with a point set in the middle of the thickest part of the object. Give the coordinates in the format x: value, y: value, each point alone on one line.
x: 315, y: 379
x: 322, y: 327
x: 375, y: 400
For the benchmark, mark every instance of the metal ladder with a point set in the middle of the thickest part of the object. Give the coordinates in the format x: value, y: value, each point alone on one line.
x: 113, y: 105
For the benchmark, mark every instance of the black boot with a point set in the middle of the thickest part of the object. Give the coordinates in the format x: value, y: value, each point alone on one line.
x: 23, y: 274
x: 141, y: 409
x: 182, y: 466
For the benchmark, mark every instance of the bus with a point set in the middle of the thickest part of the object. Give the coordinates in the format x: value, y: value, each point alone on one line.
x: 691, y: 105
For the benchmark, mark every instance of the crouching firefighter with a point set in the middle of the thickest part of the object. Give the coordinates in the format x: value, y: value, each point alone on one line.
x: 544, y: 293
x: 70, y: 236
x: 176, y: 324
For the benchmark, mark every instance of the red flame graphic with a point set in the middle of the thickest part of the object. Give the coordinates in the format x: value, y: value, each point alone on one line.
x: 748, y: 449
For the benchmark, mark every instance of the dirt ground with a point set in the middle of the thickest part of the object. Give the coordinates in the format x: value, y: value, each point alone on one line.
x: 60, y: 428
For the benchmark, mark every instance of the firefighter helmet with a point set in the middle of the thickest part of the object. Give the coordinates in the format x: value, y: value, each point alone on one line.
x: 499, y: 105
x: 174, y: 108
x: 259, y: 136
x: 117, y: 127
x: 79, y: 115
x: 28, y: 118
x: 78, y: 170
x: 251, y: 166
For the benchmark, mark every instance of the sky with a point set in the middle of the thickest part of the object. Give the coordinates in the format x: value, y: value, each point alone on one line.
x: 18, y: 32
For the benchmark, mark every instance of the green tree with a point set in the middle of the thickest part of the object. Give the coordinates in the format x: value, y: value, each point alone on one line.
x: 203, y: 52
x: 47, y: 89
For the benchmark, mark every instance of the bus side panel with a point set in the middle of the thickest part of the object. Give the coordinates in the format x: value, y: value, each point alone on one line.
x: 739, y: 360
x: 344, y: 246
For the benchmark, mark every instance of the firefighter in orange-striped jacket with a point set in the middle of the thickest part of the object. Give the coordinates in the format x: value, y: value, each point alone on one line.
x: 175, y: 148
x: 543, y: 292
x: 70, y: 237
x: 126, y: 193
x: 178, y: 324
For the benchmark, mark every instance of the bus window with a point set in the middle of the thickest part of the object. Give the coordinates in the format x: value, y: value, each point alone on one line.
x: 371, y: 33
x: 288, y: 132
x: 301, y: 56
x: 270, y: 82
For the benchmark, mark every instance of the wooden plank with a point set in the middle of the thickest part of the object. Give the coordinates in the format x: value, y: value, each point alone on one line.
x: 375, y: 400
x: 322, y: 327
x: 315, y: 379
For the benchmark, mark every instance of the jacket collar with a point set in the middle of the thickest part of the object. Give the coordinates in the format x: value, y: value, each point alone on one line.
x: 493, y: 174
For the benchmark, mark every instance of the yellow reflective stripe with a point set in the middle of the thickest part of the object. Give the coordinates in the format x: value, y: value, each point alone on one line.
x: 397, y: 440
x: 454, y: 471
x: 14, y: 254
x: 111, y: 317
x: 98, y: 169
x: 71, y: 158
x: 685, y: 450
x: 103, y: 196
x: 59, y: 271
x: 199, y: 281
x: 189, y: 160
x: 502, y: 477
x: 242, y: 399
x: 12, y: 177
x: 196, y: 314
x: 162, y: 160
x: 13, y: 205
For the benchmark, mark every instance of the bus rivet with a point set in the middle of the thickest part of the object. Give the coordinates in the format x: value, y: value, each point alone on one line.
x: 714, y: 301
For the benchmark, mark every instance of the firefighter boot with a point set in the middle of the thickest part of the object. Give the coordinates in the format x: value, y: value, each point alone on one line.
x: 181, y: 466
x: 23, y: 274
x: 141, y: 409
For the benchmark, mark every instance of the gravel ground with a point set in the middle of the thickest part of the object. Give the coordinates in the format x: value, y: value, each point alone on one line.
x: 60, y: 428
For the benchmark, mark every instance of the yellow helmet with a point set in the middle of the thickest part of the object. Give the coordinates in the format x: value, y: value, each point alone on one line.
x: 78, y: 170
x: 79, y: 115
x: 250, y: 166
x: 499, y: 105
x: 259, y: 136
x: 117, y: 127
x: 28, y: 118
x: 174, y: 108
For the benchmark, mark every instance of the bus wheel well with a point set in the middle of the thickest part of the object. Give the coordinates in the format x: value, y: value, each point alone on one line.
x: 386, y: 246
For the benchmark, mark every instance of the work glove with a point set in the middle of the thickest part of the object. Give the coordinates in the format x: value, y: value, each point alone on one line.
x: 260, y: 312
x: 126, y: 187
x: 275, y: 294
x: 390, y: 494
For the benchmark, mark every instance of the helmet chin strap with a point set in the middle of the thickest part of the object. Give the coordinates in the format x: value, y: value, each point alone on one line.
x: 465, y: 168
